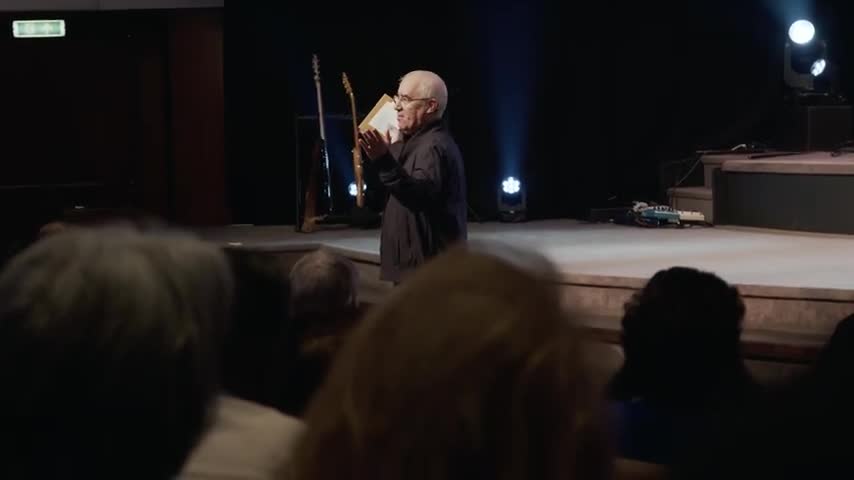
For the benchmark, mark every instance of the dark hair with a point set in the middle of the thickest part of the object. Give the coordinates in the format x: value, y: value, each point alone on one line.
x: 470, y: 370
x: 794, y: 430
x: 259, y: 346
x: 832, y: 374
x: 108, y: 353
x: 681, y: 339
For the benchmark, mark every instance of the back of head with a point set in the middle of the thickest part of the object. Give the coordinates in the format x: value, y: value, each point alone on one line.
x: 257, y: 347
x: 470, y: 370
x: 681, y: 338
x: 323, y: 293
x: 324, y: 307
x: 52, y: 228
x: 832, y: 367
x: 107, y: 353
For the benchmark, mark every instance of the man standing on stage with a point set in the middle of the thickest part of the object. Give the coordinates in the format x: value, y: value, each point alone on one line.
x: 423, y: 172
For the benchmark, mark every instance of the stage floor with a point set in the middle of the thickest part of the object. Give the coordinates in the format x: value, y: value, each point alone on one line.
x: 796, y: 286
x: 744, y: 257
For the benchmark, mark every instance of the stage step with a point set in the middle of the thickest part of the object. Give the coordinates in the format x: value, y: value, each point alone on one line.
x: 712, y: 163
x: 697, y: 199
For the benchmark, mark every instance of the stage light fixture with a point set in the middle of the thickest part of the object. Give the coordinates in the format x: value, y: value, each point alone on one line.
x: 805, y: 58
x: 510, y: 186
x: 351, y: 189
x: 814, y: 115
x: 818, y: 67
x: 512, y: 204
x: 802, y: 32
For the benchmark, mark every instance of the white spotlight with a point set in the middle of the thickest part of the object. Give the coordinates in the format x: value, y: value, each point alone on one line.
x: 351, y: 189
x: 818, y: 67
x: 512, y: 204
x: 802, y: 32
x: 511, y: 186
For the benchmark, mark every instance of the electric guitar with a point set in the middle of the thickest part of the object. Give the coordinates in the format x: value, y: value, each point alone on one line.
x: 357, y: 151
x: 318, y: 197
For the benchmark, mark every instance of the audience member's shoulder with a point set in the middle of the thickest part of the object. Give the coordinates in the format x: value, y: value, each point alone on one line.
x: 245, y: 440
x: 239, y: 412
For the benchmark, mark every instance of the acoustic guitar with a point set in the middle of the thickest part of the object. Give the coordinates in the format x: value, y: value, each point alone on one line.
x: 357, y: 151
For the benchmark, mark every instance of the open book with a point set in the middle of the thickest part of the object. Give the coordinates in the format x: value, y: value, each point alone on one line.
x: 382, y: 118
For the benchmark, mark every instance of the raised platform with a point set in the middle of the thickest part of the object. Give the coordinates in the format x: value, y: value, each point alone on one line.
x: 811, y: 163
x: 808, y: 192
x: 796, y: 286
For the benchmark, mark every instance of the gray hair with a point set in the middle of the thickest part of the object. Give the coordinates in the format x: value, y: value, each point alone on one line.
x: 430, y: 85
x: 323, y: 283
x: 108, y: 339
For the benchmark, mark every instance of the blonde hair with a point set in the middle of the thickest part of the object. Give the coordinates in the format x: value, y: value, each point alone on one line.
x: 470, y: 370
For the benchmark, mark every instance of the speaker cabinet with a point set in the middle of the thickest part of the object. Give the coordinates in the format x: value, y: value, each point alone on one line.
x: 815, y: 127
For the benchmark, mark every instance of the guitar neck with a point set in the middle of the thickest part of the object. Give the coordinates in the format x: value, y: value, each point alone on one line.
x: 355, y: 122
x: 320, y: 176
x: 357, y: 156
x: 320, y: 119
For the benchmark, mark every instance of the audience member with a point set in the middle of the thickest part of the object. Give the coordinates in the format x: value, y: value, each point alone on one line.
x: 683, y: 373
x: 325, y: 306
x: 799, y: 429
x: 469, y: 370
x: 107, y: 354
x: 260, y: 344
x: 249, y: 438
x: 52, y: 228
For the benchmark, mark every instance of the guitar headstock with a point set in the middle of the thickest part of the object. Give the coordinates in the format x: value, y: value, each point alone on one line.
x: 347, y: 87
x: 315, y: 65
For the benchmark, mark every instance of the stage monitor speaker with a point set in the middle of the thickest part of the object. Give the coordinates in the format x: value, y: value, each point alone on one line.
x: 815, y: 127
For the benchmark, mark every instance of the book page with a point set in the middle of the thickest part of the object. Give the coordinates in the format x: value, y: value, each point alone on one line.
x: 382, y: 118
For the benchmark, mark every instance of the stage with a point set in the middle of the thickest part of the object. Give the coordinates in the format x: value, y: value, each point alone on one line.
x: 796, y: 285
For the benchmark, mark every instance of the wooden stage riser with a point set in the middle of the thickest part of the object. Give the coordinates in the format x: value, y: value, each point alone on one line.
x: 599, y: 309
x: 804, y: 318
x: 792, y: 201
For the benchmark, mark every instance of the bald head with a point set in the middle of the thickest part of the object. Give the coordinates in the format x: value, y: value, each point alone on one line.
x: 426, y: 84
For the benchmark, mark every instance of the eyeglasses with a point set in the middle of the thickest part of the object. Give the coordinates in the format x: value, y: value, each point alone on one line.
x: 405, y: 100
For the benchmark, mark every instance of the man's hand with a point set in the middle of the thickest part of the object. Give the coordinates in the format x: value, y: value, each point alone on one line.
x: 374, y: 143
